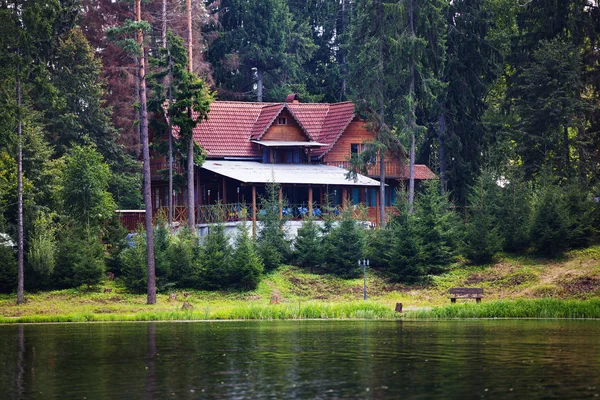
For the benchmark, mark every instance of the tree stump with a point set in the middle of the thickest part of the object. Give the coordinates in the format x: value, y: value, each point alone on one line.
x: 398, y: 307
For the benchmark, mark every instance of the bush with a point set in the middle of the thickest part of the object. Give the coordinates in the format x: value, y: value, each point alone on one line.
x: 580, y: 216
x: 80, y: 258
x: 8, y: 269
x: 41, y: 256
x: 405, y: 263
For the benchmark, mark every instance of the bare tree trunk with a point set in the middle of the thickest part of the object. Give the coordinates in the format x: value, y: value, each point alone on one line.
x: 169, y: 121
x: 566, y: 149
x: 190, y: 156
x: 146, y: 159
x: 164, y: 23
x: 259, y: 85
x: 381, y: 120
x: 442, y: 150
x: 342, y: 50
x: 411, y: 117
x: 20, y: 239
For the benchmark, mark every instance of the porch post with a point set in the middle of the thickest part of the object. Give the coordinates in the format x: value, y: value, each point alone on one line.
x: 253, y: 211
x: 224, y: 189
x: 344, y: 196
x: 377, y: 216
x: 280, y: 202
x: 310, y: 201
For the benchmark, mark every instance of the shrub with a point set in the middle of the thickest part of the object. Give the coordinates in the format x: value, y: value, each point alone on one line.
x: 80, y: 258
x: 8, y: 269
x: 580, y: 216
x: 514, y: 215
x: 41, y: 255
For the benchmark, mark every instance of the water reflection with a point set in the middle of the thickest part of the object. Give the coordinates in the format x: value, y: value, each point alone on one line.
x: 302, y: 359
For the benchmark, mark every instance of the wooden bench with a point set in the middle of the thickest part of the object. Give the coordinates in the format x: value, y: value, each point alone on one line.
x: 466, y: 293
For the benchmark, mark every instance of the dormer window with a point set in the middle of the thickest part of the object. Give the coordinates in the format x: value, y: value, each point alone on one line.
x: 282, y: 121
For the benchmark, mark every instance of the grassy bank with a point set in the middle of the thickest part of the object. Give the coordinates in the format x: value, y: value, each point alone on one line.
x: 523, y: 308
x: 515, y: 287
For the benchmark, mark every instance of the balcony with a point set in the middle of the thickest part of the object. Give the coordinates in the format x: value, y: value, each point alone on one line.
x: 160, y: 170
x: 393, y: 169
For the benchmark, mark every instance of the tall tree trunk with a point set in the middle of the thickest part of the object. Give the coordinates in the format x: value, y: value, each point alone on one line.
x: 20, y: 239
x: 567, y: 158
x: 146, y: 159
x: 411, y: 117
x: 442, y: 150
x: 259, y: 85
x: 342, y: 50
x: 191, y: 214
x: 381, y: 118
x: 169, y: 121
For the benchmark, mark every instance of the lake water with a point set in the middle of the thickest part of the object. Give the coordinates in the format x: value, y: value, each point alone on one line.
x: 506, y: 359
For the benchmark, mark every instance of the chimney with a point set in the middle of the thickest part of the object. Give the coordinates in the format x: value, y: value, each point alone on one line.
x: 292, y: 98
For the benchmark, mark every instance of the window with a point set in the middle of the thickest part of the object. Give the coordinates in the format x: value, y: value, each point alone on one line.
x: 354, y: 148
x: 282, y: 121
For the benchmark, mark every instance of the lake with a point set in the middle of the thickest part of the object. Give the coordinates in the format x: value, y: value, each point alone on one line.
x: 507, y: 359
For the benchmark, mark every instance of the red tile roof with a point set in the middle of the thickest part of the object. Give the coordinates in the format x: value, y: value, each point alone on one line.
x: 422, y: 172
x: 232, y: 124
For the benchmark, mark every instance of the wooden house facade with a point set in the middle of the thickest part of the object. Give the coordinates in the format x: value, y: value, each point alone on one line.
x: 305, y: 147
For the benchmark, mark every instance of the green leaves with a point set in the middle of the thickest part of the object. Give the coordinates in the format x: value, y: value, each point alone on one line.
x: 124, y: 36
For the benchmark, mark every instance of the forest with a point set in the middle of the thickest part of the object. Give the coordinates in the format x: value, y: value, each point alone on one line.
x: 500, y: 98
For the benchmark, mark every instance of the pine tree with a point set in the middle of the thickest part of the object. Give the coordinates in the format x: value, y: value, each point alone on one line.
x: 308, y: 251
x: 549, y: 226
x: 246, y: 266
x: 482, y: 236
x: 347, y: 241
x: 273, y: 246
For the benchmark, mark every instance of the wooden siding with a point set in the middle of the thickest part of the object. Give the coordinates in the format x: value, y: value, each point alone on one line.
x: 291, y: 132
x: 356, y: 133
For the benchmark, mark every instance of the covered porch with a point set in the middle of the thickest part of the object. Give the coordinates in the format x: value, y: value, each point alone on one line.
x: 232, y: 190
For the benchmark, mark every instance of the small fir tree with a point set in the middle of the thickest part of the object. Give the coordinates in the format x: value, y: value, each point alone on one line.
x: 580, y: 215
x: 216, y: 259
x: 347, y: 243
x: 549, y: 227
x: 482, y: 236
x: 514, y: 214
x: 308, y: 245
x: 246, y: 265
x: 273, y: 246
x: 8, y: 267
x: 185, y: 258
x: 439, y: 228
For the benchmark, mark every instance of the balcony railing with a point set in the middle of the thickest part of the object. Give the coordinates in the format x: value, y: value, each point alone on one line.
x: 393, y: 169
x: 161, y: 169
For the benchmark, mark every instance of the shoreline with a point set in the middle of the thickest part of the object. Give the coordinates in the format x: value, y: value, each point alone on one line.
x: 538, y: 309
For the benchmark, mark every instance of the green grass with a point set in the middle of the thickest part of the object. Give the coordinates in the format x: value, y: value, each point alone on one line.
x: 538, y: 308
x: 307, y: 310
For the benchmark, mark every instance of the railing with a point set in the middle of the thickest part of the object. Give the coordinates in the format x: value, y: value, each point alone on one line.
x: 393, y: 169
x: 161, y: 169
x: 240, y: 211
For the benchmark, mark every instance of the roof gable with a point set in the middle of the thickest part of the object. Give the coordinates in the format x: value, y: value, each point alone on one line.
x: 231, y: 125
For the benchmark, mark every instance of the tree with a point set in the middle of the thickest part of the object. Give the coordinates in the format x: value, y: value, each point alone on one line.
x: 549, y: 233
x: 482, y: 236
x: 259, y: 51
x: 217, y: 258
x: 273, y: 246
x: 85, y: 180
x: 308, y: 251
x: 347, y: 241
x: 246, y: 265
x: 136, y: 49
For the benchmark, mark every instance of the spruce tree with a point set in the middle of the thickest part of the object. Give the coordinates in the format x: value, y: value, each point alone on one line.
x: 346, y: 240
x: 246, y: 266
x: 273, y: 246
x: 308, y: 249
x: 216, y: 259
x: 549, y: 226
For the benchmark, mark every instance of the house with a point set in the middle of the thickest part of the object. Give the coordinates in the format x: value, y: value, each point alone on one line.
x: 305, y: 147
